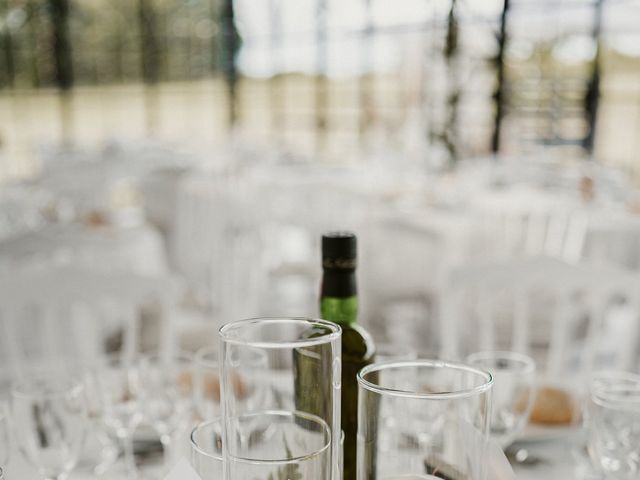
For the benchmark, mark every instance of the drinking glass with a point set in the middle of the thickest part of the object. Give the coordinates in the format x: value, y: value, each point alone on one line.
x: 206, y: 449
x: 166, y: 390
x: 423, y: 417
x: 513, y: 391
x: 207, y: 379
x: 289, y: 428
x: 206, y: 385
x: 613, y: 424
x: 118, y: 384
x: 50, y: 421
x: 100, y: 451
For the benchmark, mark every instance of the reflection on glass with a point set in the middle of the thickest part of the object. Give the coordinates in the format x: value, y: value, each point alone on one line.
x: 50, y: 421
x: 513, y: 391
x: 283, y: 421
x: 613, y: 424
x: 423, y: 417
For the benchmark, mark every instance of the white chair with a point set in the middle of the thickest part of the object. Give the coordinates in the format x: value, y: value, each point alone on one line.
x: 571, y: 318
x: 514, y: 234
x: 54, y: 316
x: 216, y: 244
x: 403, y: 259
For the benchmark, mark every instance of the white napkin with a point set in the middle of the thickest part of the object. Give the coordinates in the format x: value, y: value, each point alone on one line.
x: 499, y: 466
x: 182, y: 471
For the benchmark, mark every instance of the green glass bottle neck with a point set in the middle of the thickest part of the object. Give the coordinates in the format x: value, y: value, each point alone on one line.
x: 338, y: 298
x: 341, y: 310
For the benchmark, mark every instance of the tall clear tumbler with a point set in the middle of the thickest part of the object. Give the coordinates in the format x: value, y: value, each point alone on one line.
x: 423, y: 418
x: 282, y: 416
x: 613, y: 424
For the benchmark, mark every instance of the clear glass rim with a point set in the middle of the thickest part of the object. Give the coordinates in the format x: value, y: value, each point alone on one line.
x: 527, y: 364
x: 460, y: 367
x: 60, y: 386
x: 159, y: 357
x: 335, y: 332
x: 611, y: 395
x: 201, y: 425
x: 287, y: 461
x: 202, y: 354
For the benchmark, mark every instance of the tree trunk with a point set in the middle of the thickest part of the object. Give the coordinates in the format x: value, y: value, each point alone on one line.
x: 60, y: 10
x: 499, y: 95
x: 450, y: 134
x: 9, y: 75
x: 6, y: 44
x: 150, y: 45
x: 592, y: 94
x: 231, y: 45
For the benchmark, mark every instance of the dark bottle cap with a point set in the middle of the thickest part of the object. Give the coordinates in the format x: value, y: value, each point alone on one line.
x: 339, y: 250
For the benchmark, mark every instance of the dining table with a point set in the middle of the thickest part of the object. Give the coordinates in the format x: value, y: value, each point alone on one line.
x: 552, y: 459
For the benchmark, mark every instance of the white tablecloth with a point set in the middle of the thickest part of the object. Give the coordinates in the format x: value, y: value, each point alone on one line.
x: 138, y: 249
x: 561, y: 461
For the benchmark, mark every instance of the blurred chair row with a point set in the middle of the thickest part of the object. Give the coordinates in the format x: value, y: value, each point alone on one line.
x: 60, y: 316
x: 445, y: 267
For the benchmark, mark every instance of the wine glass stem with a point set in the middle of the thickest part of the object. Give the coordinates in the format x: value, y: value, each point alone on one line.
x: 167, y: 444
x: 129, y: 457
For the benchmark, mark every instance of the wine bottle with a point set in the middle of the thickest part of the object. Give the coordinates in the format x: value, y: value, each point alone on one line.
x: 339, y: 304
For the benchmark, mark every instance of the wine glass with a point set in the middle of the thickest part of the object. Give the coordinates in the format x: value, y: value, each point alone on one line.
x: 513, y: 391
x: 166, y: 382
x: 207, y: 380
x: 281, y: 419
x: 101, y: 449
x: 206, y: 386
x: 423, y: 417
x: 119, y: 391
x: 50, y: 422
x: 613, y: 424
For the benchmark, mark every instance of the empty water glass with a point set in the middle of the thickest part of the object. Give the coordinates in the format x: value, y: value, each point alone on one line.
x: 50, y: 421
x: 119, y: 390
x: 613, y: 424
x: 206, y: 383
x: 166, y: 389
x: 207, y: 380
x: 513, y: 391
x: 290, y: 428
x: 423, y: 417
x: 206, y: 449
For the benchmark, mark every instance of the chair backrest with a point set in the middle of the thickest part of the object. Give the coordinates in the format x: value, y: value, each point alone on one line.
x: 55, y: 315
x: 402, y: 262
x: 560, y: 234
x: 571, y: 318
x: 216, y: 243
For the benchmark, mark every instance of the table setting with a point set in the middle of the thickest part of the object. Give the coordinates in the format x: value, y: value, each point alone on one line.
x: 400, y: 423
x: 294, y: 398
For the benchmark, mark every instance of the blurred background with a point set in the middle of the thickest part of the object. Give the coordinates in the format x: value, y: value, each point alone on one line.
x: 213, y: 141
x: 432, y: 80
x: 167, y: 166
